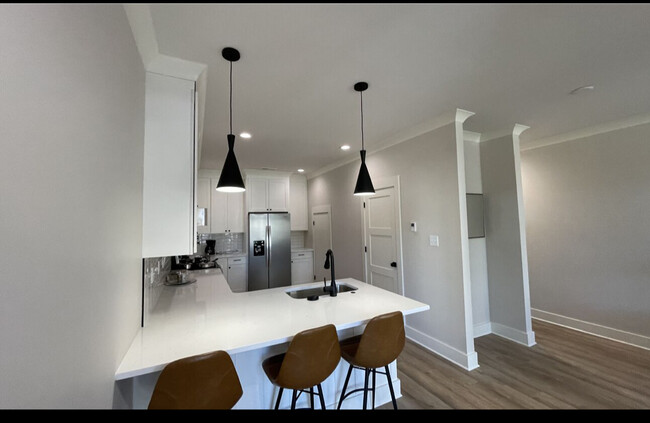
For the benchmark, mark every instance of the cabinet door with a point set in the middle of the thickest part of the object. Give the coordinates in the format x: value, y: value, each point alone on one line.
x: 237, y: 277
x: 219, y: 212
x: 258, y: 196
x: 236, y: 212
x: 203, y: 206
x: 302, y: 271
x: 168, y: 192
x: 278, y: 194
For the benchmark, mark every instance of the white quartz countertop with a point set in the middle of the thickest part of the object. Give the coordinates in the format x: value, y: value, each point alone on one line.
x: 206, y: 316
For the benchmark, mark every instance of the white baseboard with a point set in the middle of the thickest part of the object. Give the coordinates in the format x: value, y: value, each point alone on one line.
x: 482, y: 329
x: 464, y: 360
x: 516, y: 335
x: 592, y: 328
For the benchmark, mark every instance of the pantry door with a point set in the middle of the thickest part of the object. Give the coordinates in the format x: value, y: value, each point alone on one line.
x: 382, y: 236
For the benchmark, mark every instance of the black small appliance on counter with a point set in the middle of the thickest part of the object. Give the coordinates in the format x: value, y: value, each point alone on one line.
x: 192, y: 263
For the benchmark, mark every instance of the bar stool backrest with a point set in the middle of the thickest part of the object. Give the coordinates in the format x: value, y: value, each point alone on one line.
x: 311, y: 357
x: 207, y: 381
x: 382, y: 341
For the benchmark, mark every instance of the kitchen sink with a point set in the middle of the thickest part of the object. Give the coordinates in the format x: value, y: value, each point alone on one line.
x: 318, y: 291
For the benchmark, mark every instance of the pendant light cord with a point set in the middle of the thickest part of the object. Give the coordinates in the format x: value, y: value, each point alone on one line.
x: 362, y: 141
x: 231, y: 97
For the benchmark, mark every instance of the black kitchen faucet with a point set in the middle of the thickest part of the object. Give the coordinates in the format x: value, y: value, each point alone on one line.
x: 332, y: 287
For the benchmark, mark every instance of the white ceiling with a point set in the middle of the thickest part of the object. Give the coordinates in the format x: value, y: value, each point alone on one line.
x: 507, y: 63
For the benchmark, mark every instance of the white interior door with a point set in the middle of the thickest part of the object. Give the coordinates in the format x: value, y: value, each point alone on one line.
x: 322, y: 239
x: 383, y: 238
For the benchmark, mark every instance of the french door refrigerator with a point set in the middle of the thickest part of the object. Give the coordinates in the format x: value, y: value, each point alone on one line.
x: 269, y: 250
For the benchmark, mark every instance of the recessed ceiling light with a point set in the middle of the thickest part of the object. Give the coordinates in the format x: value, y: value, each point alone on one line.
x: 301, y: 170
x: 245, y: 135
x: 345, y: 147
x: 582, y: 89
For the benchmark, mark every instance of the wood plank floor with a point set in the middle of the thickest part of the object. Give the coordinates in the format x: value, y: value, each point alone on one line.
x: 567, y: 369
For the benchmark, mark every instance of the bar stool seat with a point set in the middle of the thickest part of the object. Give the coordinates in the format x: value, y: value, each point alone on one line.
x: 311, y: 357
x: 206, y: 381
x: 381, y: 343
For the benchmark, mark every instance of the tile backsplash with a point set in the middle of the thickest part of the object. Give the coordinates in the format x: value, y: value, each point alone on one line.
x: 156, y: 270
x: 223, y: 242
x: 298, y: 239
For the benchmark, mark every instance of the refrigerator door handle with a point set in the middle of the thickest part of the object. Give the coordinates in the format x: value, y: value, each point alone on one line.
x: 270, y: 249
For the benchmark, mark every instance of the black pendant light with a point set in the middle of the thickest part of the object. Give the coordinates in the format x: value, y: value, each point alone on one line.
x: 364, y: 184
x: 230, y: 179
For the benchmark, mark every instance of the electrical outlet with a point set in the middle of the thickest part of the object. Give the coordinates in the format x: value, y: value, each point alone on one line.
x: 433, y: 241
x: 414, y: 227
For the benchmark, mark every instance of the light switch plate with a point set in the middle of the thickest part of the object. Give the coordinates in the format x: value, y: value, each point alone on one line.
x: 414, y: 227
x: 433, y: 240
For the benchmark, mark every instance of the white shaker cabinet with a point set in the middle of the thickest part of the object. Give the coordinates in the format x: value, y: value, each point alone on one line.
x: 237, y: 274
x: 298, y: 205
x: 170, y: 155
x: 225, y: 211
x: 203, y: 206
x: 302, y: 267
x: 267, y: 191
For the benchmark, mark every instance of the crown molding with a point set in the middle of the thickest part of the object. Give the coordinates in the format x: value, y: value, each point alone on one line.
x: 589, y: 131
x: 400, y: 137
x: 471, y: 136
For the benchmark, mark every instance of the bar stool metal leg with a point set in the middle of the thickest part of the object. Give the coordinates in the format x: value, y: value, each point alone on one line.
x: 277, y: 402
x: 374, y: 383
x: 320, y: 395
x: 293, y: 399
x: 345, y: 387
x: 390, y: 386
x: 365, y: 389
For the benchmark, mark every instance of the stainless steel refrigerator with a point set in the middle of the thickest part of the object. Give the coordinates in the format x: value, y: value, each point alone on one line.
x: 269, y: 250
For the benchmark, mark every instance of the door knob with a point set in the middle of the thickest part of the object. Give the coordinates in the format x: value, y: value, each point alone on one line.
x: 393, y: 264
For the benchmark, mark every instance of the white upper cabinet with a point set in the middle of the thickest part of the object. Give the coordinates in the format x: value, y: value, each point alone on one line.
x: 170, y: 154
x: 225, y: 210
x: 267, y: 191
x: 298, y: 205
x: 203, y: 206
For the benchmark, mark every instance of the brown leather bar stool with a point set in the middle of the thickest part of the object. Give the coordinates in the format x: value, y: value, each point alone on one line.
x: 380, y: 344
x: 312, y: 356
x: 206, y: 381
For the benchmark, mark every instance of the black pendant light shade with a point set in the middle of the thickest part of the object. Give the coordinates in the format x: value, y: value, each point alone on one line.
x: 230, y: 179
x: 364, y: 184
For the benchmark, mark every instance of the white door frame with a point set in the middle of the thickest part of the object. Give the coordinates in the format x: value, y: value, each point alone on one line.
x: 315, y: 210
x: 379, y: 183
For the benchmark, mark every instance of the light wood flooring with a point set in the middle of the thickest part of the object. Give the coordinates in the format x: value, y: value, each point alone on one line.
x: 566, y: 369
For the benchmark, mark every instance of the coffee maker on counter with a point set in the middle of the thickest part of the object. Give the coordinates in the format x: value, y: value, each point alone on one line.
x: 209, y: 248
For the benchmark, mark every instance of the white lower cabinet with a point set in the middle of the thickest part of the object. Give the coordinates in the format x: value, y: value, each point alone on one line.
x: 236, y: 274
x: 302, y: 267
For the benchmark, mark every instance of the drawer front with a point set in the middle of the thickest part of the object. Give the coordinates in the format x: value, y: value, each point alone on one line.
x: 236, y: 260
x: 302, y: 255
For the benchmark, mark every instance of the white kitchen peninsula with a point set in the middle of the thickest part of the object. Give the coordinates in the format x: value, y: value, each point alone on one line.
x: 206, y: 316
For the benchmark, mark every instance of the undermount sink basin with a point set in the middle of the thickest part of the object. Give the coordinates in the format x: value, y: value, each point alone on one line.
x: 313, y: 291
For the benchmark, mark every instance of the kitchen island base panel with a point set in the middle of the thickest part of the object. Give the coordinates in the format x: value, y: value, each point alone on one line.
x: 259, y: 393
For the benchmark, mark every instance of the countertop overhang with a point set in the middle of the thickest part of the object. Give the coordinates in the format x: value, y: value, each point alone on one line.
x: 206, y: 316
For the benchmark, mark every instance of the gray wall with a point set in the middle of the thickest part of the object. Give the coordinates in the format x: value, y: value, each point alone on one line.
x: 588, y: 206
x: 429, y: 181
x: 71, y: 127
x: 505, y: 239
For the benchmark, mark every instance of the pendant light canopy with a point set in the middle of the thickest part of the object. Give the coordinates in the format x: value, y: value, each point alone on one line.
x: 230, y: 179
x: 364, y: 184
